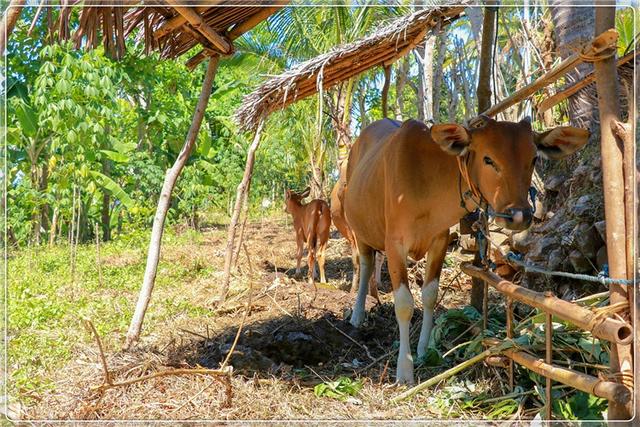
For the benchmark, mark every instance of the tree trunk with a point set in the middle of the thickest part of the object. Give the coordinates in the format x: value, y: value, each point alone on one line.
x: 613, y: 188
x: 240, y: 196
x: 163, y: 205
x: 362, y: 93
x: 54, y: 226
x: 484, y: 102
x: 437, y: 75
x: 106, y: 201
x: 486, y: 57
x: 385, y: 91
x: 341, y: 116
x: 9, y: 19
x: 401, y: 81
x: 573, y: 26
x: 428, y: 89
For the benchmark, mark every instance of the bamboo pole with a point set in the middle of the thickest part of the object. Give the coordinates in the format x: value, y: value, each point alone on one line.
x: 170, y: 179
x: 9, y: 19
x: 548, y: 333
x: 500, y: 347
x: 610, y: 329
x: 243, y: 187
x: 564, y: 94
x: 179, y: 20
x: 597, y: 46
x: 583, y: 382
x: 200, y: 25
x: 613, y: 189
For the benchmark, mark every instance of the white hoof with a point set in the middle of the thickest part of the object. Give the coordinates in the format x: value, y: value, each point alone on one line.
x: 404, y: 374
x: 357, y: 318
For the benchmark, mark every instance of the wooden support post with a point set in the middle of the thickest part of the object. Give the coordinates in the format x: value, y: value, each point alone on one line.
x: 613, y: 188
x: 9, y: 19
x: 548, y: 332
x: 486, y: 56
x: 243, y: 187
x: 608, y: 328
x: 601, y: 43
x: 509, y: 308
x: 170, y: 179
x: 193, y: 18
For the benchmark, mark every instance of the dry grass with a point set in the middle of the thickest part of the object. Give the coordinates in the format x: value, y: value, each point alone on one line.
x: 290, y: 343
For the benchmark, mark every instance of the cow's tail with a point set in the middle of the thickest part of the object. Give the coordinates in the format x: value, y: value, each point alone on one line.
x: 313, y: 233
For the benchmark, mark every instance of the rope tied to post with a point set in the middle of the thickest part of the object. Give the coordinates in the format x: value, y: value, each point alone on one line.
x: 531, y: 268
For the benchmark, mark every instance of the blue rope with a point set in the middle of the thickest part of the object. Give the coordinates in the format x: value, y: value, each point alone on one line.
x: 601, y: 278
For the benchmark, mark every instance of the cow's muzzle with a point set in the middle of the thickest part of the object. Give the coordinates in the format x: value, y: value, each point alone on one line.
x: 516, y: 219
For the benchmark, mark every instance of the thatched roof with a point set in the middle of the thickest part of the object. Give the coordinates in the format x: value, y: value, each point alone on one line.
x: 383, y: 48
x: 171, y: 29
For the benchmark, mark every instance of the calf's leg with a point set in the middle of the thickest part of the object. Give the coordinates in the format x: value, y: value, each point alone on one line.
x: 433, y: 267
x: 403, y: 304
x: 299, y: 256
x: 365, y: 253
x: 321, y: 250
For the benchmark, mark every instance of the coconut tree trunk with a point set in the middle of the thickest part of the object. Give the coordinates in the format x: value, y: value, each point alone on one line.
x: 164, y: 202
x: 9, y: 19
x: 401, y: 82
x: 573, y: 26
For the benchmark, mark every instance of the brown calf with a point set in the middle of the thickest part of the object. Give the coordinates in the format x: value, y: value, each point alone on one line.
x: 404, y: 188
x: 311, y: 223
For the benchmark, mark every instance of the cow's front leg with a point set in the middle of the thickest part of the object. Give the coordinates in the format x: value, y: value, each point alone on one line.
x: 433, y: 267
x: 365, y: 254
x: 403, y: 304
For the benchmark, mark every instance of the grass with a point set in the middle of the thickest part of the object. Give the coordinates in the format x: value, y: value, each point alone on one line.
x: 46, y: 304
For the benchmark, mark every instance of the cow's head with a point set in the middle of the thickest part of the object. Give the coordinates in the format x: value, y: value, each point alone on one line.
x: 292, y: 198
x: 501, y: 160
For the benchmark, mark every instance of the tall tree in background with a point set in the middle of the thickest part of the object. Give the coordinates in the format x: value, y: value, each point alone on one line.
x: 573, y: 26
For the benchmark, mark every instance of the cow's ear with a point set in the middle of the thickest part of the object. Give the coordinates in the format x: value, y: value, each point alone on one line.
x: 305, y: 192
x: 560, y: 142
x: 451, y: 137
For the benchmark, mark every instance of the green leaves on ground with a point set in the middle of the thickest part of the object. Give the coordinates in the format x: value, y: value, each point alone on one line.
x: 339, y: 389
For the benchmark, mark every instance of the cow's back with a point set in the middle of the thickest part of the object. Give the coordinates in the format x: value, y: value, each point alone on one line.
x: 364, y: 201
x: 400, y: 182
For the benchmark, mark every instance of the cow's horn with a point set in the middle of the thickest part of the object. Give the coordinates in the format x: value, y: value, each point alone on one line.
x: 479, y: 121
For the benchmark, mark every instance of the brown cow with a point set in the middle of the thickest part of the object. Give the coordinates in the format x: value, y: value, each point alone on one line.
x: 311, y: 223
x: 339, y: 220
x: 405, y: 186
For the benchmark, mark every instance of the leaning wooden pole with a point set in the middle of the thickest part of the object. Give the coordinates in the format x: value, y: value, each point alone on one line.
x: 164, y: 202
x: 243, y: 188
x: 613, y: 188
x: 9, y: 19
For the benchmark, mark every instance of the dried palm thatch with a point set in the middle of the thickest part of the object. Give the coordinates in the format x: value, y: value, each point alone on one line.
x: 173, y: 30
x: 382, y: 48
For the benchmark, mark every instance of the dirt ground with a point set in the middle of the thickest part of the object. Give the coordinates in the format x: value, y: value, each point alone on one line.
x: 292, y: 339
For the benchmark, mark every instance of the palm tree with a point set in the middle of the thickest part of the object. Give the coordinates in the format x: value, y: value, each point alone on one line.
x: 573, y: 26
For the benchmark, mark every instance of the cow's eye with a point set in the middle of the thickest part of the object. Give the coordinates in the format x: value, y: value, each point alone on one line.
x: 488, y: 161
